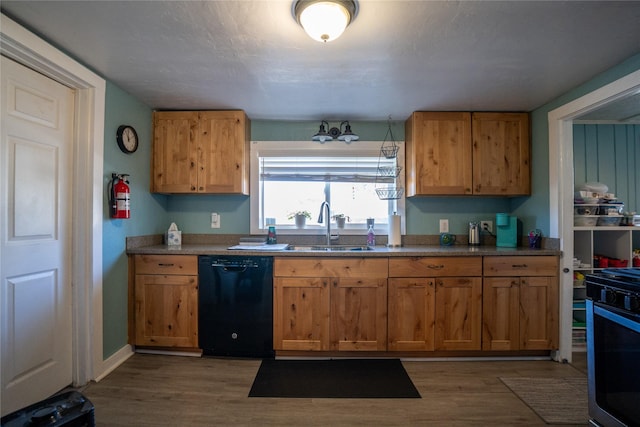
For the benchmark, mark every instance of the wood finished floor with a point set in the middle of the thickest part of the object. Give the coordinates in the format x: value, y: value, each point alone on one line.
x: 154, y: 390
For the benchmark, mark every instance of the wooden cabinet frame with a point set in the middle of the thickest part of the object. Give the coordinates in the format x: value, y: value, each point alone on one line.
x: 435, y: 303
x: 330, y: 304
x: 200, y: 152
x: 462, y: 153
x: 520, y: 312
x: 165, y: 301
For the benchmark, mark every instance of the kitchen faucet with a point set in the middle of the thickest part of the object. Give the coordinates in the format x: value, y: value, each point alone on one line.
x: 324, y: 205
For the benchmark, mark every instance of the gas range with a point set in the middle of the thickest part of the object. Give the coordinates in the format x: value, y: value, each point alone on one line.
x: 613, y: 347
x: 616, y: 287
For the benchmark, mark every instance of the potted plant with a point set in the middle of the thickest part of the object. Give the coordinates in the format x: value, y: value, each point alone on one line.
x: 340, y: 219
x: 300, y: 217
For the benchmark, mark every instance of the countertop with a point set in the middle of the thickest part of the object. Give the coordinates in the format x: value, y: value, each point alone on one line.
x: 379, y: 251
x: 208, y: 244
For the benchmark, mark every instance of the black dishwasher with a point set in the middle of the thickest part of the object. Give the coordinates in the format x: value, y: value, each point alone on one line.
x: 235, y: 306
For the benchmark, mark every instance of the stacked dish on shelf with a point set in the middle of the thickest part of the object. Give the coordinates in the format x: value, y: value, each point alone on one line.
x: 594, y: 206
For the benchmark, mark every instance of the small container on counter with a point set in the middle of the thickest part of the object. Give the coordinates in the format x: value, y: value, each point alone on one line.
x: 271, y: 236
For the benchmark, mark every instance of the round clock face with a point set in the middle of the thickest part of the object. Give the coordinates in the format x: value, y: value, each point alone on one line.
x: 127, y: 139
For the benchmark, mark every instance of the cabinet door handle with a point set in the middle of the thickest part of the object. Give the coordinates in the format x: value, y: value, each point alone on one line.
x: 519, y: 265
x: 435, y: 267
x: 160, y: 264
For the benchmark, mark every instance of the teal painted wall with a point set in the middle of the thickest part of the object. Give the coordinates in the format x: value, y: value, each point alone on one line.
x: 148, y: 212
x: 535, y: 209
x: 609, y: 154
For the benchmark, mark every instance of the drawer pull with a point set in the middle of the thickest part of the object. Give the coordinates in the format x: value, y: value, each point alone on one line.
x: 435, y: 267
x: 519, y: 265
x: 160, y: 264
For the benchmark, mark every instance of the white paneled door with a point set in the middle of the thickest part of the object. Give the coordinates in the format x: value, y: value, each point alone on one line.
x: 35, y: 249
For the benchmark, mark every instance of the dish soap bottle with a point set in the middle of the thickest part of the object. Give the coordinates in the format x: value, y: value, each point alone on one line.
x: 371, y: 236
x: 271, y: 237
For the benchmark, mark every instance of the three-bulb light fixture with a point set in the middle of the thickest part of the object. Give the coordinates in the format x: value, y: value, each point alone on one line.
x: 325, y: 20
x: 335, y: 133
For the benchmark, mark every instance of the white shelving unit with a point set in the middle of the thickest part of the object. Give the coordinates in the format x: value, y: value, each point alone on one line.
x: 611, y: 242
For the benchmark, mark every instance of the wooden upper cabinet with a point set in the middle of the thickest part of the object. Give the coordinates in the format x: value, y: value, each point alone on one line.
x: 223, y: 152
x: 438, y: 153
x: 501, y: 154
x: 462, y: 153
x: 201, y: 152
x: 174, y: 164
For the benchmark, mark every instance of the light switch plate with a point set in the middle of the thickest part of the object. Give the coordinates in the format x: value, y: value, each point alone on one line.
x: 444, y: 225
x: 215, y: 220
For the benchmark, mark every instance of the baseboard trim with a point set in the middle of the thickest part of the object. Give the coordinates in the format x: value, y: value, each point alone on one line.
x: 115, y: 360
x: 165, y: 352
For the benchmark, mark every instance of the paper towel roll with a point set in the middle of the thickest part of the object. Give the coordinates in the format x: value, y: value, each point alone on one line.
x: 395, y: 233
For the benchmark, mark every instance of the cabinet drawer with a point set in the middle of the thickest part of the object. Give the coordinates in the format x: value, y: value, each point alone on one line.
x: 435, y: 266
x: 330, y: 267
x: 520, y: 266
x: 166, y: 264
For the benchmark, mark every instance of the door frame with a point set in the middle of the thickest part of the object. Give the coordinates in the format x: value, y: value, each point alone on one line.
x: 561, y: 187
x: 26, y: 48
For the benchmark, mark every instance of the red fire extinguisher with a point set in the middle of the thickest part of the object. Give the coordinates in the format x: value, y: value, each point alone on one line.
x: 119, y: 196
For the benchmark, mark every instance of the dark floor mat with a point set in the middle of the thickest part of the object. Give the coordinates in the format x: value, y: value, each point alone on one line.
x: 339, y: 378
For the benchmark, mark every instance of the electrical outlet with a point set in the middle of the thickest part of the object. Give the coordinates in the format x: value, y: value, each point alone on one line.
x: 444, y: 225
x: 486, y: 226
x: 215, y: 220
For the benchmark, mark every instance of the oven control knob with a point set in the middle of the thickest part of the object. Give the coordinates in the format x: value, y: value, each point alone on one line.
x: 607, y: 296
x: 631, y: 302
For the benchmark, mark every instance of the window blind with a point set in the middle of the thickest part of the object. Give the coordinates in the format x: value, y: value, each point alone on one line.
x: 325, y: 168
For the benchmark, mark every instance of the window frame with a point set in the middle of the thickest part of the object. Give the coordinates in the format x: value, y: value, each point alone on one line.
x: 304, y: 147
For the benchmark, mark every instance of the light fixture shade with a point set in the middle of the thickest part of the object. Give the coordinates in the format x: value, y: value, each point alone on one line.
x: 324, y: 20
x: 322, y: 136
x: 347, y: 136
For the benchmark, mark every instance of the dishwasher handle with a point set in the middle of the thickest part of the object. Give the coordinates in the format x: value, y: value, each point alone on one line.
x: 234, y: 267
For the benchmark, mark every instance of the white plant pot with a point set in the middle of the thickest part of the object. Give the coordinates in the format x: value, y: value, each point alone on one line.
x: 301, y: 220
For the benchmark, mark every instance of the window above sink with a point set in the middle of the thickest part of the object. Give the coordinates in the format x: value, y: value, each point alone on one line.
x: 291, y: 176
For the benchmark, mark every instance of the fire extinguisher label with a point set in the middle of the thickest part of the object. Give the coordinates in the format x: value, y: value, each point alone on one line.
x: 122, y: 201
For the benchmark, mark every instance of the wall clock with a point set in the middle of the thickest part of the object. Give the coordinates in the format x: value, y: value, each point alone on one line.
x: 127, y: 138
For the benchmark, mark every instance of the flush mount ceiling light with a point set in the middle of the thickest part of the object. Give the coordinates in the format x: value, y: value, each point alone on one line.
x: 324, y: 20
x: 324, y: 136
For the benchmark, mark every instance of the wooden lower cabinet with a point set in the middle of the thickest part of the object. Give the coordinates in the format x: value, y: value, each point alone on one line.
x: 439, y: 307
x: 330, y: 304
x: 520, y: 312
x: 166, y: 301
x: 301, y: 313
x: 359, y: 314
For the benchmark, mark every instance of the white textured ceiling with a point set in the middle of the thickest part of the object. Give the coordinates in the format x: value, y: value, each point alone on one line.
x: 396, y: 57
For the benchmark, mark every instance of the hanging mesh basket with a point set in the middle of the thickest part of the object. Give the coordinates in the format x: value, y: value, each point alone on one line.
x: 390, y: 151
x: 390, y: 193
x: 389, y: 171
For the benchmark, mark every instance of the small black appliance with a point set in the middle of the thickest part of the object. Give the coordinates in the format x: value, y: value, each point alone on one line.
x: 68, y: 409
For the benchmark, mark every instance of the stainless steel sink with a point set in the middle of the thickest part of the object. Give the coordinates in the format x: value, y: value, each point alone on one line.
x: 330, y: 248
